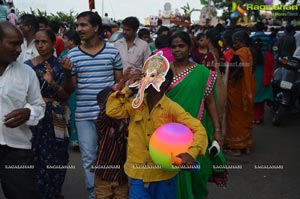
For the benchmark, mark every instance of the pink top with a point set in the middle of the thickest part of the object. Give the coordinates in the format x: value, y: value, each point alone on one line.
x: 12, y: 18
x: 166, y: 53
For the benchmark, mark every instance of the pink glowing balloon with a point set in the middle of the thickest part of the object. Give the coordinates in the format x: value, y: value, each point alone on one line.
x: 167, y: 142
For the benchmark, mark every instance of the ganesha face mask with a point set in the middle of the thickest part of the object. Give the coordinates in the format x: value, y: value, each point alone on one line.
x: 155, y: 70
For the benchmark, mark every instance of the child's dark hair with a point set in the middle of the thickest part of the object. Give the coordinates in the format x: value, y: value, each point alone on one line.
x: 228, y: 37
x: 43, y: 20
x: 200, y: 35
x: 162, y: 29
x: 142, y: 32
x: 73, y: 36
x: 161, y: 41
x: 54, y: 25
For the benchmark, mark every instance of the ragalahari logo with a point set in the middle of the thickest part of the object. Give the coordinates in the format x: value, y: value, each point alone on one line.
x: 237, y: 10
x: 277, y: 10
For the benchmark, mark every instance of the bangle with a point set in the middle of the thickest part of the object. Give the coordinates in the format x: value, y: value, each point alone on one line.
x: 218, y: 130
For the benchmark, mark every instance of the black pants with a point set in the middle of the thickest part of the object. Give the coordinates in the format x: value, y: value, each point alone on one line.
x: 17, y: 173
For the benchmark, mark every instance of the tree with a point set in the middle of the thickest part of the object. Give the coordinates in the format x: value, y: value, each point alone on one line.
x: 187, y: 11
x: 63, y: 17
x: 59, y: 16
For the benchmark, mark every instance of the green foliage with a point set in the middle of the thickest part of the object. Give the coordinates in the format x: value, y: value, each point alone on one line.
x: 59, y: 16
x: 186, y: 8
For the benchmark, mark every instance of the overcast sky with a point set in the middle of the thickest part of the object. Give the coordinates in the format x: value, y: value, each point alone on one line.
x: 117, y: 9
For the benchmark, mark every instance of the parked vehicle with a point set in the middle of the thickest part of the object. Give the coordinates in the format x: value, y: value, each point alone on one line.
x: 286, y: 88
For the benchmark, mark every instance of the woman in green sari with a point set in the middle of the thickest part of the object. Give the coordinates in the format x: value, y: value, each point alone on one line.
x: 193, y: 88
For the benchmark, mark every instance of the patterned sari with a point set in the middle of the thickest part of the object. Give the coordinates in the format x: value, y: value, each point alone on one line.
x: 50, y: 137
x: 189, y: 89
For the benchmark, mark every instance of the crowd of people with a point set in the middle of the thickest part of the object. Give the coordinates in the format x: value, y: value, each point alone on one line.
x: 60, y: 86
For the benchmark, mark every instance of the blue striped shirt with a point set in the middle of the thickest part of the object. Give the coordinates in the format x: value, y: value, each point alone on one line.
x: 94, y: 73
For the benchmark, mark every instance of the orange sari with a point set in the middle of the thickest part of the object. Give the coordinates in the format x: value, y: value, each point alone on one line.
x: 240, y: 104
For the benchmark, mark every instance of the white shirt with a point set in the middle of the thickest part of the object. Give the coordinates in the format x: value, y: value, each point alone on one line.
x: 297, y: 38
x: 105, y: 20
x: 19, y: 88
x: 136, y: 55
x: 297, y: 53
x: 28, y: 52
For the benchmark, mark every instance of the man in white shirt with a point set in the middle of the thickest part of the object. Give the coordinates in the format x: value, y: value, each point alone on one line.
x: 29, y: 26
x: 21, y: 105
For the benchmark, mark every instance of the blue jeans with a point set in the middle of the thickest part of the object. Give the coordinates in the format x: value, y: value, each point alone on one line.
x: 165, y: 189
x: 87, y: 139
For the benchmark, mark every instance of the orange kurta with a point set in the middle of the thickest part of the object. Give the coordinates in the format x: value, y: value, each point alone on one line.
x: 240, y: 103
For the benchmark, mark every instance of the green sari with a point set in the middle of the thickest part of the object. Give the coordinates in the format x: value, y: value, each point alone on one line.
x: 189, y: 89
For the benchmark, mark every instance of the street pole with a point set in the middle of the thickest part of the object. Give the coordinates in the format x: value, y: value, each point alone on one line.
x: 102, y: 8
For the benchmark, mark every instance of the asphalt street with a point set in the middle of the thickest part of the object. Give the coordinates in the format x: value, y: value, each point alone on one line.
x: 272, y: 170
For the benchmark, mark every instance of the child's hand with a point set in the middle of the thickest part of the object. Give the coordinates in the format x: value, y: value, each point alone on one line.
x: 187, y: 160
x: 132, y: 72
x: 119, y: 86
x: 135, y: 78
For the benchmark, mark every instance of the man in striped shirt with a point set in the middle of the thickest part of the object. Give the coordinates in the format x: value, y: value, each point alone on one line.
x: 92, y: 66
